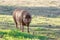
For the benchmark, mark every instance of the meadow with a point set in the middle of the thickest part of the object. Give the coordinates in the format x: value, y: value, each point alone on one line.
x: 45, y: 24
x: 40, y: 28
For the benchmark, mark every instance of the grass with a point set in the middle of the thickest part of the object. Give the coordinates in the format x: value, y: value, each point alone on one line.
x: 16, y: 34
x: 41, y: 26
x: 6, y: 22
x: 30, y: 3
x: 36, y: 20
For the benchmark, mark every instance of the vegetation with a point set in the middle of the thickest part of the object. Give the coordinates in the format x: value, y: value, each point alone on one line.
x: 45, y: 24
x: 30, y: 3
x: 17, y: 35
x: 36, y: 20
x: 9, y: 31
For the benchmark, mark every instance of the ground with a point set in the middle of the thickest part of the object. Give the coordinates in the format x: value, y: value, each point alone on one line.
x: 45, y: 24
x: 42, y: 26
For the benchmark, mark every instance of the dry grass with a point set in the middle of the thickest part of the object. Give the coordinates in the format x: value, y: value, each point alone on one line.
x: 31, y: 3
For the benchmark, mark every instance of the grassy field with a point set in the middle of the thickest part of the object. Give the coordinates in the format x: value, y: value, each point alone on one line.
x: 30, y: 3
x: 45, y: 24
x: 17, y: 35
x: 40, y: 26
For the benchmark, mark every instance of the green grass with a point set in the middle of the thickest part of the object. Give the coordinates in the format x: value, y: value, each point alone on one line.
x: 36, y: 20
x: 17, y: 34
x: 37, y: 26
x: 41, y: 26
